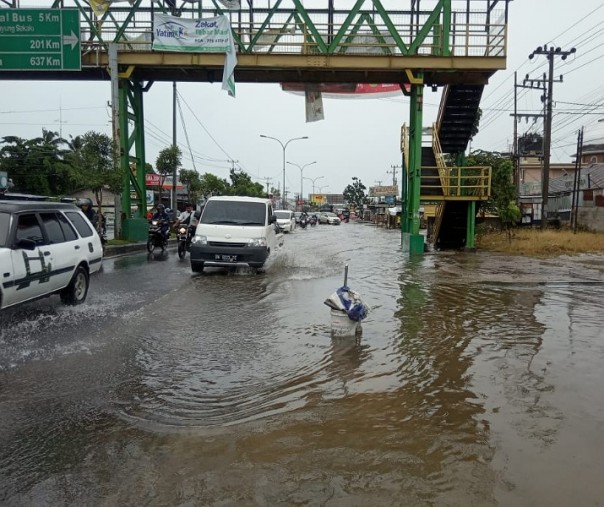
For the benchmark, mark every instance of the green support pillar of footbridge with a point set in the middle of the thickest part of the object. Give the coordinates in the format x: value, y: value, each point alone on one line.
x: 412, y: 240
x: 134, y: 224
x: 471, y: 226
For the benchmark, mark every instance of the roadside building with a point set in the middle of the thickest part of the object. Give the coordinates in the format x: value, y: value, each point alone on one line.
x: 583, y: 196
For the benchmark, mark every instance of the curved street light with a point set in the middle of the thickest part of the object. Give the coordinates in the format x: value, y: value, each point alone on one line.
x: 283, y: 145
x: 313, y: 182
x: 301, y: 176
x: 321, y: 192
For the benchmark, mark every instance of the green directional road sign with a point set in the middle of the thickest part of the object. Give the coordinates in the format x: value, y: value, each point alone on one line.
x: 40, y: 39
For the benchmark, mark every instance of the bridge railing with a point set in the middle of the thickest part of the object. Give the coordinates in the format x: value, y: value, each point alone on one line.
x: 300, y: 30
x: 470, y: 182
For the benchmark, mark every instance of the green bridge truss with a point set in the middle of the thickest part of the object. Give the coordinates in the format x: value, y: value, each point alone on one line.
x: 430, y: 43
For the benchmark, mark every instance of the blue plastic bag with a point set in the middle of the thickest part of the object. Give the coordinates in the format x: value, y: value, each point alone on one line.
x: 352, y: 304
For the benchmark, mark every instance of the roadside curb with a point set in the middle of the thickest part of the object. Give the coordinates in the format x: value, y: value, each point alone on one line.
x: 117, y: 250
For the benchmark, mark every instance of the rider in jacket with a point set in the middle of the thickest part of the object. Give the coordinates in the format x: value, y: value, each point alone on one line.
x: 85, y: 205
x: 161, y: 215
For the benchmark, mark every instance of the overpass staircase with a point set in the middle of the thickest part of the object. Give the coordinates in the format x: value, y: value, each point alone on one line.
x: 449, y: 191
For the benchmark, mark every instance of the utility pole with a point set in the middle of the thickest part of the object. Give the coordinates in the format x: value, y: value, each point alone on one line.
x: 550, y: 53
x: 233, y: 162
x: 394, y: 168
x: 515, y: 155
x: 574, y: 208
x: 267, y: 181
x: 174, y: 175
x: 535, y: 84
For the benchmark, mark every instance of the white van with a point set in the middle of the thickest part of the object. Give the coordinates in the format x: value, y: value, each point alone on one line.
x: 234, y: 231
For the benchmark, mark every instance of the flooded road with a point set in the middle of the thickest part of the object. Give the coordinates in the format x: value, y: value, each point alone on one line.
x: 476, y: 381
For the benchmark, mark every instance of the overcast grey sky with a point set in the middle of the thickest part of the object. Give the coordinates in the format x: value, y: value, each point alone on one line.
x: 357, y: 137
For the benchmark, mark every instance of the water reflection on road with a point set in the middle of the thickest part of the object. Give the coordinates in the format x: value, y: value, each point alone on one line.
x: 476, y: 382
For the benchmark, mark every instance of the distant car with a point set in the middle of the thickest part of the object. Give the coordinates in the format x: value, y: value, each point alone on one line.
x: 285, y: 220
x: 343, y: 213
x: 329, y: 218
x: 46, y: 248
x: 297, y: 215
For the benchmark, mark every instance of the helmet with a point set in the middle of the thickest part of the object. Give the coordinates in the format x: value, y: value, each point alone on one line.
x: 161, y: 208
x: 85, y: 201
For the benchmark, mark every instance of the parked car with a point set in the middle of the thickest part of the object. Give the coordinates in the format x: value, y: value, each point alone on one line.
x: 329, y: 218
x: 286, y: 220
x: 234, y: 231
x: 46, y: 248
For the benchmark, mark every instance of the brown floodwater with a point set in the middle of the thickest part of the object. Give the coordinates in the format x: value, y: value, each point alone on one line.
x: 477, y: 380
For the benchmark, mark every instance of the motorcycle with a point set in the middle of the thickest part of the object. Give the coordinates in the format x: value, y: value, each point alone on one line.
x: 156, y: 237
x: 303, y: 222
x: 184, y: 234
x: 313, y: 221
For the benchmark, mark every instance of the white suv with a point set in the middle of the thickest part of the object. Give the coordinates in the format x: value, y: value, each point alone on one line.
x: 46, y: 248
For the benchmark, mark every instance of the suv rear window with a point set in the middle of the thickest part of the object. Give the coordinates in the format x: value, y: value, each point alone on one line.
x: 28, y: 227
x: 81, y: 224
x: 234, y: 213
x: 4, y: 224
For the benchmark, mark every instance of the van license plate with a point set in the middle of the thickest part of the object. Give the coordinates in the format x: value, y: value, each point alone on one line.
x: 226, y: 258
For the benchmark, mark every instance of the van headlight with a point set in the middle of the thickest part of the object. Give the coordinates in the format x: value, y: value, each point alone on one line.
x: 199, y: 240
x: 257, y: 242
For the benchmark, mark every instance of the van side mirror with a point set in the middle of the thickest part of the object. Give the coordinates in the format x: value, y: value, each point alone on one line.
x: 272, y: 219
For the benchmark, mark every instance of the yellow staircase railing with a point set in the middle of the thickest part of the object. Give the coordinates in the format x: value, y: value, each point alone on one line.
x: 440, y: 160
x: 405, y: 144
x: 438, y: 220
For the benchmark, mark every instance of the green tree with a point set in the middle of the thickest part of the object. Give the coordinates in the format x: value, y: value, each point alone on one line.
x: 13, y: 160
x: 213, y: 185
x: 242, y: 184
x: 96, y: 164
x: 354, y: 194
x: 191, y: 179
x: 36, y: 165
x: 168, y: 162
x: 503, y: 191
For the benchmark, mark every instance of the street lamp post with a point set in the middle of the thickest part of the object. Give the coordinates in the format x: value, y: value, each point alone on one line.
x: 301, y: 177
x: 321, y: 190
x: 313, y: 182
x: 284, y: 146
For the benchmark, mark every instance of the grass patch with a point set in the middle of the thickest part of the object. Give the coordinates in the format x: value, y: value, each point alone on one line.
x: 119, y: 242
x: 539, y: 243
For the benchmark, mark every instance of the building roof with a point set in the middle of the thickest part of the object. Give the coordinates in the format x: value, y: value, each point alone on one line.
x: 592, y: 177
x: 592, y: 149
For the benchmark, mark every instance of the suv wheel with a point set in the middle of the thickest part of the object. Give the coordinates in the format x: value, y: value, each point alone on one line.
x: 75, y: 293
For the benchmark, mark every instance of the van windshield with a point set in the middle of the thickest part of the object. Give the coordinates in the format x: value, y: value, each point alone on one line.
x: 234, y: 213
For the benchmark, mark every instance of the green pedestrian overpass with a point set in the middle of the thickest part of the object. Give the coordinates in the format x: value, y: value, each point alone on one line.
x: 456, y: 45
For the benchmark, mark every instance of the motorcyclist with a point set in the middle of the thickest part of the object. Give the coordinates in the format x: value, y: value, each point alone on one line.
x: 186, y: 217
x: 85, y: 205
x: 163, y: 217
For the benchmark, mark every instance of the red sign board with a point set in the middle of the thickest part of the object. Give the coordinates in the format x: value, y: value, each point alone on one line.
x: 152, y: 179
